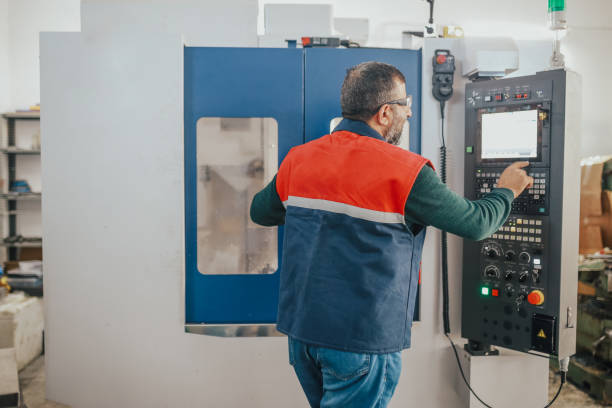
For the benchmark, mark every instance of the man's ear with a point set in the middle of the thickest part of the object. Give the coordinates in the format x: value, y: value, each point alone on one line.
x: 383, y: 117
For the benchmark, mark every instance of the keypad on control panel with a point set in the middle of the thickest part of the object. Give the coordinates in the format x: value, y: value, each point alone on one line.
x: 521, y: 230
x: 531, y: 201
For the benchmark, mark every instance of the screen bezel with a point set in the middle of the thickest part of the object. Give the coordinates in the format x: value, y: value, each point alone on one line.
x: 509, y: 108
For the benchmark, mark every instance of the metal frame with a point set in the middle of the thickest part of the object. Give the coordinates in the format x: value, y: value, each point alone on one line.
x: 11, y: 151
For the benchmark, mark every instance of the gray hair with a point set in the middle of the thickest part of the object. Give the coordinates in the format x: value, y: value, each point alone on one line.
x: 366, y: 87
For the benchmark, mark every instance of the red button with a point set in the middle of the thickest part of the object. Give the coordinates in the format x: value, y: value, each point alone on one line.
x: 536, y: 297
x: 441, y: 59
x: 495, y: 292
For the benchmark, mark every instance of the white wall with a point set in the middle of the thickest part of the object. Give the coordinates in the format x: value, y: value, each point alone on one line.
x: 5, y: 99
x: 590, y: 33
x: 26, y: 19
x: 583, y: 50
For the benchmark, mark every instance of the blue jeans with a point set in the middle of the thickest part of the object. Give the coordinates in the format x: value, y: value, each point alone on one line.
x: 333, y: 378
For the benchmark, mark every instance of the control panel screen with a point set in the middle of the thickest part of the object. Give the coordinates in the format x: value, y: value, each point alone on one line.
x: 510, y: 135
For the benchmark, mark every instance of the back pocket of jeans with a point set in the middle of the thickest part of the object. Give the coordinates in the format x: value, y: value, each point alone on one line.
x: 343, y: 365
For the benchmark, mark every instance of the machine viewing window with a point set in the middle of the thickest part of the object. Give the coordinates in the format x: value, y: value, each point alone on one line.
x: 236, y: 158
x: 510, y: 135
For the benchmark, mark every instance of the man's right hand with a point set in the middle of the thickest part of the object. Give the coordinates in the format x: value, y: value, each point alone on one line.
x: 515, y: 178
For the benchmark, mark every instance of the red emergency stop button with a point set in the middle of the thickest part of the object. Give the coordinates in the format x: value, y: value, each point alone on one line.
x: 536, y: 297
x: 441, y: 59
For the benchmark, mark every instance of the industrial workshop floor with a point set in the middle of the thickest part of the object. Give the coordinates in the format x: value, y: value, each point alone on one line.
x: 32, y: 380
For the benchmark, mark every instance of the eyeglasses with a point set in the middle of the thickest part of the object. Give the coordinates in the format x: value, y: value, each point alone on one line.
x: 407, y: 101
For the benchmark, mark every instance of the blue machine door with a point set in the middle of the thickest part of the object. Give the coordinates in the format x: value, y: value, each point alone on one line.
x: 224, y: 87
x: 324, y: 72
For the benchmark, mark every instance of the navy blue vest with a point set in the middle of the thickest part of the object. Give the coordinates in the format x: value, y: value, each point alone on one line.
x: 350, y: 265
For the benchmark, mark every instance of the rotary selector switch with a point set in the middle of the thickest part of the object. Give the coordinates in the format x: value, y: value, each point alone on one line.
x: 491, y: 250
x: 510, y: 256
x: 509, y: 290
x: 491, y: 272
x: 521, y: 297
x: 524, y: 257
x: 523, y: 276
x: 509, y: 275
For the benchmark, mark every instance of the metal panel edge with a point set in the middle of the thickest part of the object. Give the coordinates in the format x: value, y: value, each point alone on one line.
x: 234, y: 330
x: 570, y: 216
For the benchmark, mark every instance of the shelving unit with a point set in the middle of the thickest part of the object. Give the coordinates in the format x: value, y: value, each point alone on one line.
x: 11, y: 150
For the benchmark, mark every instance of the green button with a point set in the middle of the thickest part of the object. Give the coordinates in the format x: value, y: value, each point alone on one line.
x: 469, y: 149
x: 542, y: 209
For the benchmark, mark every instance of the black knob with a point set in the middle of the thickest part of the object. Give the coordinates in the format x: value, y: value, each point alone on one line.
x: 523, y: 276
x: 509, y: 290
x: 509, y: 275
x: 524, y: 257
x: 491, y: 250
x: 510, y: 255
x: 492, y: 272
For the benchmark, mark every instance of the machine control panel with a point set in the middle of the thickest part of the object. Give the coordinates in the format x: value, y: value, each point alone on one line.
x: 513, y: 280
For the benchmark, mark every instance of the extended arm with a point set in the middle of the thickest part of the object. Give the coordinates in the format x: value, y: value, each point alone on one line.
x: 267, y: 208
x: 432, y: 203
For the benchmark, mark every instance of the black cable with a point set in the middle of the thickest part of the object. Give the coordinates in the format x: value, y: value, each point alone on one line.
x: 463, y: 375
x: 431, y: 10
x: 444, y: 238
x: 563, y: 379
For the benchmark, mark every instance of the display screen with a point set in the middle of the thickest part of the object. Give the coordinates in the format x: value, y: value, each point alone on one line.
x: 510, y: 135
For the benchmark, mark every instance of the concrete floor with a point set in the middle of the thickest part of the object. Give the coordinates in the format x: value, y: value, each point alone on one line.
x: 32, y: 380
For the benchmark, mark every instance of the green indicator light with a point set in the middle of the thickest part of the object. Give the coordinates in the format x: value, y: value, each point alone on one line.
x: 469, y: 149
x: 485, y: 291
x: 556, y: 5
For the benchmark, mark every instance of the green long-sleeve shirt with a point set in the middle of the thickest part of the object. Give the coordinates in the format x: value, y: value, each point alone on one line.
x: 430, y: 203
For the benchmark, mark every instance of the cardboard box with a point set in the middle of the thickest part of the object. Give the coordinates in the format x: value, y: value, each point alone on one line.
x: 596, y: 230
x: 595, y: 205
x: 606, y: 224
x: 591, y: 173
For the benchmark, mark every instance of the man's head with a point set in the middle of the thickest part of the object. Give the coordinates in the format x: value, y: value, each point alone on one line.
x: 375, y: 93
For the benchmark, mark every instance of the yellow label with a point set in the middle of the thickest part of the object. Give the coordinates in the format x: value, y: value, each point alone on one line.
x: 542, y: 334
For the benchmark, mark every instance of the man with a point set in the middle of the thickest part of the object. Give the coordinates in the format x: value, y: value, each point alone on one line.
x: 355, y: 208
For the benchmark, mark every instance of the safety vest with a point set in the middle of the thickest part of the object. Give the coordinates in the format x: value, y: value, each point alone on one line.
x: 350, y: 265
